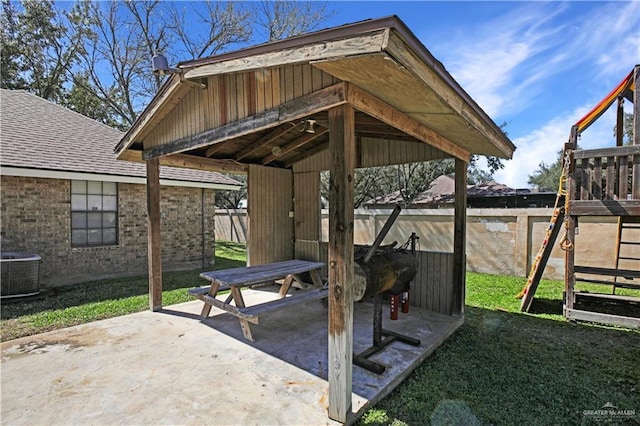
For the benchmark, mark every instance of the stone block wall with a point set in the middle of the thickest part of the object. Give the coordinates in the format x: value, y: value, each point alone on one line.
x: 499, y: 241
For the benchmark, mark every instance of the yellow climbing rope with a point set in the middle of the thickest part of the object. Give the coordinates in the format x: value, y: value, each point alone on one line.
x: 565, y: 242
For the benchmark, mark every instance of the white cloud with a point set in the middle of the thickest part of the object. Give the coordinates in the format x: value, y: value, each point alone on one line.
x: 543, y: 144
x: 540, y: 145
x: 489, y: 61
x: 610, y: 38
x: 506, y: 62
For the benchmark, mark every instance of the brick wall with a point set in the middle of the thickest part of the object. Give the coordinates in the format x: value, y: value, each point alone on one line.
x: 36, y: 216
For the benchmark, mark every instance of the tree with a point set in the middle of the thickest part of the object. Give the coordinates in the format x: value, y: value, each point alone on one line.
x: 409, y: 180
x: 232, y: 199
x: 115, y: 67
x: 281, y: 19
x: 547, y: 176
x: 10, y: 53
x: 226, y: 23
x: 88, y: 104
x: 99, y: 53
x: 40, y: 44
x: 627, y: 130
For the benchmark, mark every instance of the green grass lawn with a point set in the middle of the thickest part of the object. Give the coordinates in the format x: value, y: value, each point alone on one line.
x: 500, y: 367
x: 504, y: 367
x: 82, y: 303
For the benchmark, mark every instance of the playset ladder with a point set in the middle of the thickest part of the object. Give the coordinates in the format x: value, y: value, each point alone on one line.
x: 631, y: 223
x: 541, y: 258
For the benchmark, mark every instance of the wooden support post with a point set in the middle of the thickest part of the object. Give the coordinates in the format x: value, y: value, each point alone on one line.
x: 636, y: 106
x: 620, y: 122
x: 635, y: 183
x: 154, y: 255
x: 459, y: 239
x: 570, y: 224
x: 342, y: 150
x: 569, y: 271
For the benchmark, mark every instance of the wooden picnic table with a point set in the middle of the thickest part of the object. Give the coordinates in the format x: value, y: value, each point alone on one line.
x: 236, y: 278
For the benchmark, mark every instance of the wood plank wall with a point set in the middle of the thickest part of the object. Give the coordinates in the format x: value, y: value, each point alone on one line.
x: 377, y: 152
x: 380, y: 152
x: 230, y: 97
x: 432, y: 288
x: 306, y: 207
x: 270, y: 201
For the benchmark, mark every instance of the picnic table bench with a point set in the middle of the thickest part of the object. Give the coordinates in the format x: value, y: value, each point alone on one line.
x: 236, y: 278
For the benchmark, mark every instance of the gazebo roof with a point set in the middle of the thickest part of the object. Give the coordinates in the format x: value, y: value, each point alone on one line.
x: 399, y: 90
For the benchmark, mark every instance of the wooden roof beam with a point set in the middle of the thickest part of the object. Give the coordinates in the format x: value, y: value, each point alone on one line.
x: 213, y: 149
x: 190, y: 162
x: 266, y: 140
x: 299, y: 142
x: 312, y: 103
x: 369, y: 104
x: 202, y: 163
x: 306, y: 154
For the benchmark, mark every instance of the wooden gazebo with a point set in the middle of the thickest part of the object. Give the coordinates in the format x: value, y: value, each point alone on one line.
x: 360, y: 95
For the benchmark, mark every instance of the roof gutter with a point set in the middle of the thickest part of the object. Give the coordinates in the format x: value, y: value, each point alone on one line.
x: 104, y: 177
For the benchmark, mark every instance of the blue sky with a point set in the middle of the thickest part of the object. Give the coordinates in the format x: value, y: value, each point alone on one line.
x: 539, y: 66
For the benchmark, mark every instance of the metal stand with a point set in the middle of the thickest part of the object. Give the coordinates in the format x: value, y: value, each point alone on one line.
x: 361, y: 359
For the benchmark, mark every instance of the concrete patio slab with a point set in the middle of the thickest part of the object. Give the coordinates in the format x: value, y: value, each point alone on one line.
x: 174, y: 368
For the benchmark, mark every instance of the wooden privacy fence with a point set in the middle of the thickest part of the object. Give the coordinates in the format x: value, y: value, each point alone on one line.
x: 231, y: 225
x: 432, y: 288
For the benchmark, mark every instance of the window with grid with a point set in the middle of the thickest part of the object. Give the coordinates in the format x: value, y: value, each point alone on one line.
x: 94, y: 213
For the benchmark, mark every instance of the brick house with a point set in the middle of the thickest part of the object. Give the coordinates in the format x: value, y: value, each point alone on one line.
x: 66, y: 197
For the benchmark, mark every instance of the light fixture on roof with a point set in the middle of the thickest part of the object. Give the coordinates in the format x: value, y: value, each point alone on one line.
x: 160, y: 65
x: 309, y: 126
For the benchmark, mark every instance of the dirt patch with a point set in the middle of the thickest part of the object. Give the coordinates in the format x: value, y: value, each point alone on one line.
x: 57, y: 342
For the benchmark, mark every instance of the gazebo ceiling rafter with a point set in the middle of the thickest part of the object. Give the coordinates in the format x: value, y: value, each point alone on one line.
x: 296, y: 144
x: 375, y: 118
x: 320, y: 100
x: 266, y: 140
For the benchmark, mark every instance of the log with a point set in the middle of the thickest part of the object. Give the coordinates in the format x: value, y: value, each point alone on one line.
x: 387, y: 271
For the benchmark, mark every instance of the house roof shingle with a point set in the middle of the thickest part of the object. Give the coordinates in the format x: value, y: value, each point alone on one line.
x: 38, y: 134
x: 442, y: 190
